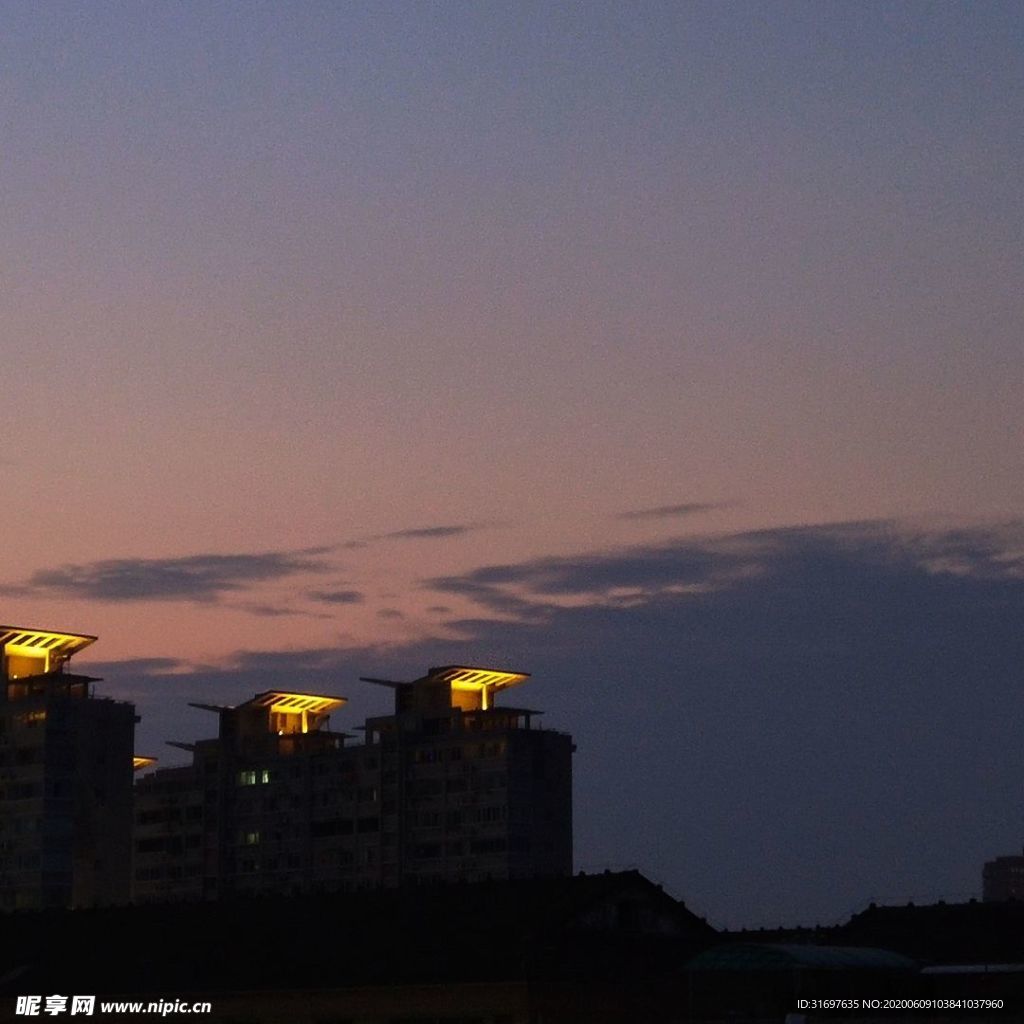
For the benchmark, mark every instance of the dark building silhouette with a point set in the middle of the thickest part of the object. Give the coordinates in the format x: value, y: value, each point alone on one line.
x: 1003, y: 879
x: 65, y: 778
x: 607, y: 948
x: 943, y: 933
x: 450, y: 787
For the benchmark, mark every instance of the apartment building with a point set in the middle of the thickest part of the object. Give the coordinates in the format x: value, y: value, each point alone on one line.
x: 450, y: 786
x: 1003, y: 879
x: 65, y: 778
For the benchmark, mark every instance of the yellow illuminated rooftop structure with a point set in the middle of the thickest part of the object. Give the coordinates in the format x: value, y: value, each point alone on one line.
x: 34, y: 652
x: 480, y: 684
x: 295, y: 712
x: 283, y: 703
x: 283, y: 711
x: 465, y: 678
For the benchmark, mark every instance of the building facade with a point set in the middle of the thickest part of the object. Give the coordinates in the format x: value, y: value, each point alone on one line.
x: 449, y: 787
x: 1003, y: 879
x: 65, y: 778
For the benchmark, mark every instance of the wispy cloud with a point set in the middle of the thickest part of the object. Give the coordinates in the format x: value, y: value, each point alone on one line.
x: 710, y: 564
x: 441, y: 531
x: 511, y: 588
x: 691, y: 508
x: 265, y: 610
x: 337, y: 596
x: 201, y: 578
x: 430, y: 532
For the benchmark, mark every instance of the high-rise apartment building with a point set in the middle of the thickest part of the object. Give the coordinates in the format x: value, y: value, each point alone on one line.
x: 1003, y: 879
x: 65, y: 778
x: 449, y: 787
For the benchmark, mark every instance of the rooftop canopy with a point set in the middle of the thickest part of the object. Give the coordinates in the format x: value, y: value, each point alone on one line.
x: 482, y: 682
x: 282, y: 702
x: 30, y: 652
x: 467, y: 678
x: 280, y: 711
x: 285, y: 703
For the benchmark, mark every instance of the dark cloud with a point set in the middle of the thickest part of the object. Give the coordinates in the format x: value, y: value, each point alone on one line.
x: 442, y: 532
x: 647, y: 569
x: 780, y: 726
x: 274, y: 611
x: 487, y: 594
x: 673, y: 511
x: 337, y: 596
x: 701, y: 565
x: 428, y: 533
x: 192, y: 578
x: 390, y: 613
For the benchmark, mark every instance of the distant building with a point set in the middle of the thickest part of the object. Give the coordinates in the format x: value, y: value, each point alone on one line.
x: 975, y: 932
x: 240, y: 817
x: 1003, y: 879
x: 450, y: 787
x: 65, y: 778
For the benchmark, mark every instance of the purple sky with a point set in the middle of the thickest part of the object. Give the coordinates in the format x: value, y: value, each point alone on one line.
x: 670, y: 352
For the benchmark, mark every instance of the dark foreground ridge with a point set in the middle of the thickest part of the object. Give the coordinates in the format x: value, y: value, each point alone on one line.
x: 610, y: 947
x: 497, y: 949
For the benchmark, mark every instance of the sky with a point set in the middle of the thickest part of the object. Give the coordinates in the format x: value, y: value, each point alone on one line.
x: 671, y: 353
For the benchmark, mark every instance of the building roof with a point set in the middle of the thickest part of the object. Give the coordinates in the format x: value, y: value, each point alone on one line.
x: 552, y: 927
x: 61, y: 645
x: 287, y: 702
x: 944, y: 932
x: 467, y: 677
x: 461, y: 677
x: 283, y: 702
x: 779, y: 957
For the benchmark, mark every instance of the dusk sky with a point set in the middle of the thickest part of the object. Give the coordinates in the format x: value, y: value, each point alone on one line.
x: 670, y: 352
